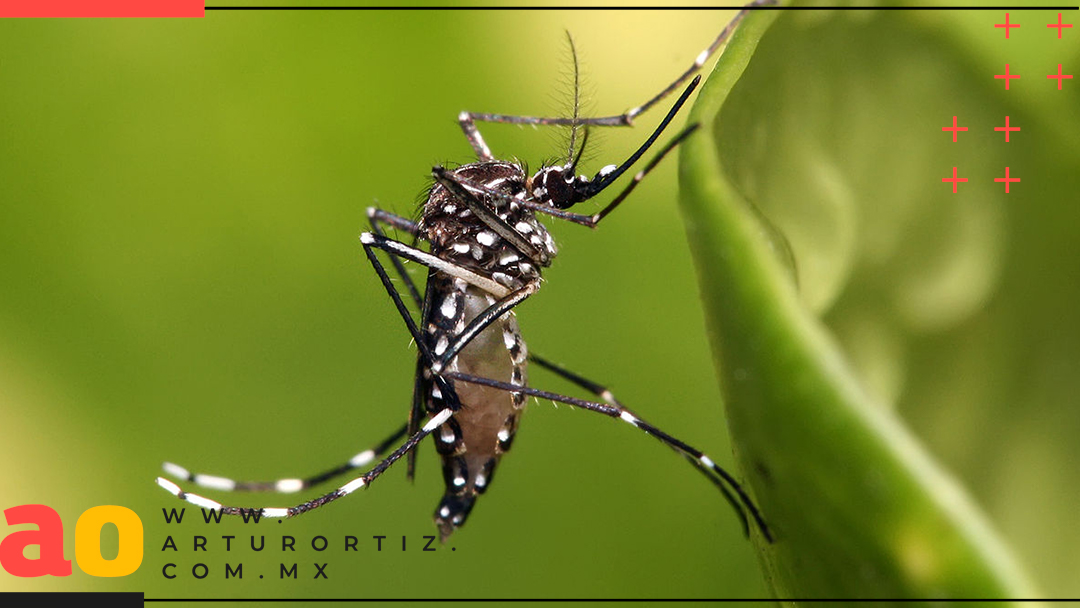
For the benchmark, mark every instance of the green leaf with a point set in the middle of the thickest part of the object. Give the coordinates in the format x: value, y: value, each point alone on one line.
x: 816, y: 256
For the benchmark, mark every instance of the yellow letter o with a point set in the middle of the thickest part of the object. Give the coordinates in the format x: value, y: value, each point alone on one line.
x: 88, y: 541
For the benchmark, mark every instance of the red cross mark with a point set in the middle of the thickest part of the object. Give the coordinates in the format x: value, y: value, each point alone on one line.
x: 1058, y: 25
x: 955, y: 180
x: 1007, y: 76
x: 1007, y: 25
x: 1059, y: 76
x: 954, y: 128
x: 1006, y: 129
x: 1005, y: 179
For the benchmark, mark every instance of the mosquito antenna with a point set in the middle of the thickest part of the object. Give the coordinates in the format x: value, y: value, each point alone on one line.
x: 574, y: 124
x: 581, y: 150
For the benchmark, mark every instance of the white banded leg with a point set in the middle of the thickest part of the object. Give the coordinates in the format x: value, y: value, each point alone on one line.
x: 344, y: 490
x: 400, y: 249
x: 699, y: 459
x: 287, y: 485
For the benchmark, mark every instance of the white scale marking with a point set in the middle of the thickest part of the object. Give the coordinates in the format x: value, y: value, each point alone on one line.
x: 205, y: 503
x: 352, y: 486
x: 362, y: 458
x: 439, y: 418
x: 509, y: 258
x: 485, y: 238
x: 504, y: 434
x: 523, y: 227
x: 215, y: 483
x: 462, y: 247
x: 481, y: 481
x: 628, y: 417
x: 705, y: 460
x: 449, y: 307
x: 275, y: 512
x: 289, y: 485
x: 169, y: 486
x: 459, y: 481
x: 509, y: 339
x: 176, y: 470
x: 440, y: 346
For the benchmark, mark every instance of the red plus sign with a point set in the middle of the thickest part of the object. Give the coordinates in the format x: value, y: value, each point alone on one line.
x: 1007, y: 76
x: 1006, y: 25
x: 954, y: 128
x: 955, y: 179
x: 1006, y: 179
x: 1006, y: 128
x: 1058, y: 25
x: 1059, y: 76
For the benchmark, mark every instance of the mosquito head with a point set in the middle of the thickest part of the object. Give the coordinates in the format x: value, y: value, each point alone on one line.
x: 559, y: 186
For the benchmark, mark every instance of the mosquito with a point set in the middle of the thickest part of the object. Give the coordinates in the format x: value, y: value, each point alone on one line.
x: 485, y: 252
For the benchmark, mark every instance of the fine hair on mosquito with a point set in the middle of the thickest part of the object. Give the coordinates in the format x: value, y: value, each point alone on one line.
x: 485, y: 251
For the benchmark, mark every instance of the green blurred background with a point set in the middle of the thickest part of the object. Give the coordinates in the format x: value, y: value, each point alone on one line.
x: 181, y: 279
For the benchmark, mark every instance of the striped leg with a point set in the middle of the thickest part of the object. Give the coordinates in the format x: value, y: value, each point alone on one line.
x: 357, y: 483
x: 699, y: 459
x: 287, y: 485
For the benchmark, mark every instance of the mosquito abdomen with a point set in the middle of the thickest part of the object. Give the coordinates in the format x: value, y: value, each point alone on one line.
x: 472, y: 442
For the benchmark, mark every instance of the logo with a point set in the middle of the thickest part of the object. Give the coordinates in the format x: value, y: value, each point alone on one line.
x: 49, y: 537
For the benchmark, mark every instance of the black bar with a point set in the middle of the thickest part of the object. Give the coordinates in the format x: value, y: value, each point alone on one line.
x: 113, y: 599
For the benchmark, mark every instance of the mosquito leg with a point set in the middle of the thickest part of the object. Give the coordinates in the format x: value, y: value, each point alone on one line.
x: 413, y: 254
x: 360, y: 482
x: 284, y: 485
x: 391, y: 246
x: 605, y: 393
x: 378, y: 218
x: 468, y: 119
x: 696, y: 457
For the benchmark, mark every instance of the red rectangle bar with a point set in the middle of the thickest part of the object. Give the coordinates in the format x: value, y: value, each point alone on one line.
x: 101, y: 8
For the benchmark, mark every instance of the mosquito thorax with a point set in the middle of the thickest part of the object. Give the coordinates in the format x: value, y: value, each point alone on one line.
x: 459, y: 236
